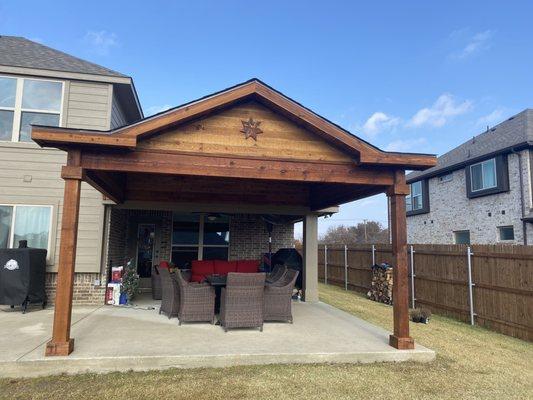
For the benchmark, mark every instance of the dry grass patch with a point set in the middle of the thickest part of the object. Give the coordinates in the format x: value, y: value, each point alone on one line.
x: 471, y: 363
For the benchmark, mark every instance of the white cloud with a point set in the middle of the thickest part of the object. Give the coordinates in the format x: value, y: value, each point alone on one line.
x: 406, y: 145
x: 156, y: 109
x: 475, y: 44
x: 378, y: 122
x: 101, y: 42
x: 444, y: 108
x: 492, y: 118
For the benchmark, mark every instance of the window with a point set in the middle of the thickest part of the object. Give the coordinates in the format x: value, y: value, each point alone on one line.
x: 446, y: 177
x: 483, y: 175
x: 199, y: 237
x: 462, y: 237
x: 506, y: 233
x: 22, y: 222
x: 417, y: 202
x: 24, y: 102
x: 487, y: 177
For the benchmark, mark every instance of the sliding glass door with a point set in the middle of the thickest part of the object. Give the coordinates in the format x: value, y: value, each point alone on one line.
x: 199, y: 237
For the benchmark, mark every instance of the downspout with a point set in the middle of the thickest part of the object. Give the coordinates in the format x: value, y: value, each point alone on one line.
x: 522, y: 201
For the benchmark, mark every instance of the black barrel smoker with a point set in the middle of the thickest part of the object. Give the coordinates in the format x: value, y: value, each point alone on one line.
x: 291, y: 259
x: 22, y: 277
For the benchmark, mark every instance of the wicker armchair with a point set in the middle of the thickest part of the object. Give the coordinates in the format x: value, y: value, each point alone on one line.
x: 169, y: 294
x: 197, y: 301
x: 278, y: 298
x: 276, y: 274
x: 241, y: 303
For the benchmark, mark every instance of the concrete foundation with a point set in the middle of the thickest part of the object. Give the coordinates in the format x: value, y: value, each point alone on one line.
x: 111, y: 338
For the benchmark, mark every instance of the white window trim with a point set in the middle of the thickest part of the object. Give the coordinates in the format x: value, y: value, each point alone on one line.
x: 482, y: 163
x: 200, y: 243
x: 18, y: 110
x: 13, y: 221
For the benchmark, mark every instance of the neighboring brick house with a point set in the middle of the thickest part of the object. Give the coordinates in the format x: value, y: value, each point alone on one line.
x: 43, y: 86
x: 478, y: 193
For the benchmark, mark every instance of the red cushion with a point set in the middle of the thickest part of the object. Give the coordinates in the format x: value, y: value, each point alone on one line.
x: 163, y: 264
x: 223, y: 267
x: 248, y: 266
x: 204, y: 268
x: 197, y: 278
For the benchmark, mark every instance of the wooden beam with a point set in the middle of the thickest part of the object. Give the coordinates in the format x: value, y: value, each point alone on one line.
x: 235, y: 167
x: 62, y: 344
x: 400, y: 339
x: 48, y: 137
x: 322, y: 198
x: 111, y: 185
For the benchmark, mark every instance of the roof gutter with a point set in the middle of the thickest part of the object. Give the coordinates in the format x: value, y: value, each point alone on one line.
x: 454, y: 167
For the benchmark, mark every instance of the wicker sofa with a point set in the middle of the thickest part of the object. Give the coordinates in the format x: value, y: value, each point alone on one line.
x: 201, y: 269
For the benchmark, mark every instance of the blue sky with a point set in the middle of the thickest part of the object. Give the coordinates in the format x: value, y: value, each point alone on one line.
x: 408, y: 76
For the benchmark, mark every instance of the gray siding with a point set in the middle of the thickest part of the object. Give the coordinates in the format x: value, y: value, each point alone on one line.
x: 31, y: 175
x: 88, y: 105
x: 118, y: 118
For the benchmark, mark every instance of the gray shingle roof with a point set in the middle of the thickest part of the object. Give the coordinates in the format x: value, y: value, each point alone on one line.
x: 515, y: 131
x: 20, y: 52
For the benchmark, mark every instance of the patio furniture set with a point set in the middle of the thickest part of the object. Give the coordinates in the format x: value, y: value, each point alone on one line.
x: 241, y: 299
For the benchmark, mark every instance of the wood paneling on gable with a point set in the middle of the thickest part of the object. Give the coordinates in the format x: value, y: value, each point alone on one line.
x: 221, y: 134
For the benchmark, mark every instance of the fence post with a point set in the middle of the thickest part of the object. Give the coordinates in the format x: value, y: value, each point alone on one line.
x: 412, y: 276
x: 469, y: 255
x: 325, y: 264
x: 373, y: 255
x: 345, y: 267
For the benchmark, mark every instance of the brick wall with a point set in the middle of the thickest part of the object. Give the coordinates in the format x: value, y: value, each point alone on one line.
x: 85, y: 292
x: 451, y: 210
x: 249, y: 237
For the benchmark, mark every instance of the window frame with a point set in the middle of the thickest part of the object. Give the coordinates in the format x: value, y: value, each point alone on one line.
x: 501, y: 177
x: 500, y: 234
x: 483, y: 163
x: 51, y: 232
x: 424, y: 193
x: 200, y: 245
x: 462, y: 231
x: 17, y: 109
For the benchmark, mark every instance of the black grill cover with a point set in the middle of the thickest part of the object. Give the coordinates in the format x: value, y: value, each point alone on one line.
x: 22, y: 274
x: 291, y: 259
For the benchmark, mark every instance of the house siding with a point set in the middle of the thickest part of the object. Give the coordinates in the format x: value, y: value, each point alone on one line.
x: 451, y: 210
x: 118, y: 118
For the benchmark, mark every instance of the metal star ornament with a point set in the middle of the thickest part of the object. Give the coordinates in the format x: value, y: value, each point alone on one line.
x: 251, y: 129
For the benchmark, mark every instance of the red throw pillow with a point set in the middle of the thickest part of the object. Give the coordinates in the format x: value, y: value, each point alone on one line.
x: 248, y: 266
x: 223, y: 267
x: 163, y: 264
x: 204, y: 268
x: 197, y: 278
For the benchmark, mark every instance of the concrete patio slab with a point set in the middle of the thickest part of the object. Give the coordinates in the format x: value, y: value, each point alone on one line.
x: 120, y: 338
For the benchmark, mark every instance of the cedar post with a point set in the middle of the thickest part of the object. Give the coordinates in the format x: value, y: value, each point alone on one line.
x: 62, y: 344
x: 400, y: 339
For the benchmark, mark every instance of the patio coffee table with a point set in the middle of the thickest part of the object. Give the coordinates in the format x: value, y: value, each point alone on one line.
x: 218, y: 282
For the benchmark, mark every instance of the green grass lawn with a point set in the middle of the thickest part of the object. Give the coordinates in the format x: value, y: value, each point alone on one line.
x: 471, y: 363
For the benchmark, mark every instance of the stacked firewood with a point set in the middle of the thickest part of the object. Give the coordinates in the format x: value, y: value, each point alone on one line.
x: 381, y: 286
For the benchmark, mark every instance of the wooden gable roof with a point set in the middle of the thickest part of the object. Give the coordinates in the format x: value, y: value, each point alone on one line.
x: 130, y: 136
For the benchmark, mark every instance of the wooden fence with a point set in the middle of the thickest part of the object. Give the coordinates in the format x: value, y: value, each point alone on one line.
x: 501, y: 284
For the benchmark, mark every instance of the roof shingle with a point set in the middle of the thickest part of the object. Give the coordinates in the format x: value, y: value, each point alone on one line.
x: 515, y: 131
x: 21, y: 52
